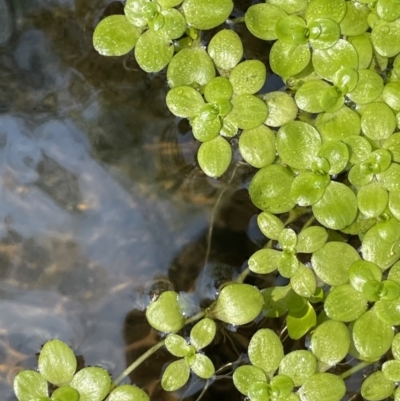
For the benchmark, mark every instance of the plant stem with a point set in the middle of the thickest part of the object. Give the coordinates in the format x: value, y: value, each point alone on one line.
x: 237, y: 20
x: 242, y: 276
x: 195, y: 317
x: 138, y: 361
x: 355, y: 369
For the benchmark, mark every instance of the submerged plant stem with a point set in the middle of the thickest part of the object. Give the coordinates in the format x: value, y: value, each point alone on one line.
x: 242, y: 276
x: 138, y: 361
x: 355, y: 369
x: 195, y: 317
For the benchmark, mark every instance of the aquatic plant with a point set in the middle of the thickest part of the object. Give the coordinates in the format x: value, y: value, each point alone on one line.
x: 327, y: 150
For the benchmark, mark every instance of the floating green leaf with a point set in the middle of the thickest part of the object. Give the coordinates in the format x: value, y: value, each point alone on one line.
x: 175, y: 375
x: 297, y: 144
x: 308, y: 97
x: 378, y: 121
x: 281, y: 108
x: 368, y: 88
x: 115, y: 36
x: 205, y: 130
x: 65, y: 393
x: 244, y: 376
x: 257, y: 146
x: 377, y: 387
x: 363, y: 47
x: 372, y: 199
x: 393, y: 145
x: 344, y: 303
x: 214, y: 156
x: 292, y: 30
x: 299, y: 322
x: 311, y: 239
x: 288, y: 60
x: 226, y: 49
x: 323, y: 33
x: 203, y: 333
x: 355, y: 21
x: 191, y: 66
x: 330, y: 342
x: 29, y: 385
x: 270, y: 225
x: 128, y: 392
x: 371, y: 336
x: 92, y: 383
x: 308, y: 188
x: 323, y: 386
x: 264, y: 261
x: 178, y: 346
x: 270, y: 189
x: 248, y: 77
x: 337, y: 154
x: 388, y: 311
x: 334, y: 10
x: 184, y: 101
x: 265, y: 342
x: 202, y: 366
x: 303, y: 282
x: 337, y: 208
x: 385, y: 37
x: 362, y: 271
x: 153, y: 52
x: 298, y: 365
x: 261, y: 20
x: 248, y: 112
x: 291, y: 6
x: 206, y: 14
x: 391, y: 370
x: 165, y: 314
x: 237, y: 304
x: 57, y: 363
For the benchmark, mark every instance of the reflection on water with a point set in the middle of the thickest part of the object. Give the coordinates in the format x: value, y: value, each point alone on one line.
x: 100, y: 195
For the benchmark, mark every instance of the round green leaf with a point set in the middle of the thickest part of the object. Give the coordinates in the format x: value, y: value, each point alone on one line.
x: 215, y: 156
x: 390, y: 178
x: 327, y: 62
x: 128, y: 392
x: 359, y: 148
x: 174, y: 24
x: 248, y: 111
x: 205, y: 130
x: 337, y: 154
x: 270, y: 189
x: 344, y: 303
x: 333, y: 9
x: 92, y: 383
x: 308, y: 97
x: 261, y: 20
x: 323, y: 386
x: 206, y: 14
x: 308, y: 188
x: 169, y: 3
x: 237, y: 304
x: 368, y: 88
x: 388, y: 311
x: 264, y: 261
x: 385, y: 37
x: 115, y: 36
x: 332, y: 262
x: 203, y: 333
x: 288, y: 265
x: 265, y: 342
x: 345, y: 79
x: 394, y: 203
x: 290, y: 6
x: 298, y: 365
x: 248, y: 77
x: 363, y: 47
x: 372, y: 199
x: 218, y: 88
x: 371, y: 336
x: 324, y: 33
x: 65, y: 394
x: 257, y: 146
x: 378, y: 121
x: 298, y: 143
x: 388, y: 10
x: 391, y: 370
x: 338, y: 125
x: 281, y: 108
x: 165, y: 313
x: 288, y: 60
x: 184, y: 101
x: 377, y: 250
x: 394, y: 273
x: 291, y: 30
x: 355, y: 21
x: 270, y: 225
x: 337, y: 208
x: 29, y: 384
x: 191, y: 66
x: 330, y: 342
x: 136, y: 12
x: 362, y: 271
x: 202, y: 366
x: 226, y: 49
x: 332, y: 99
x: 244, y: 376
x: 57, y: 363
x: 178, y: 346
x: 175, y: 375
x: 391, y: 95
x: 303, y: 282
x: 311, y: 239
x: 153, y: 52
x: 393, y: 145
x: 377, y: 387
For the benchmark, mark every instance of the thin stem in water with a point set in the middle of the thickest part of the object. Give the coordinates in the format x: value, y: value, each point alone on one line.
x: 355, y: 369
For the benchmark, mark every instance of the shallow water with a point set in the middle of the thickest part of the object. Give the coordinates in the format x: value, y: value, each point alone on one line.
x: 101, y: 201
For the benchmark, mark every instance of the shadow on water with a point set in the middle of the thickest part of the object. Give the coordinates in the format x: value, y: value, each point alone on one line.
x: 101, y: 200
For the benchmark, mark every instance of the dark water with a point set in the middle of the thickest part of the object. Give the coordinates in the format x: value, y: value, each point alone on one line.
x: 101, y: 200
